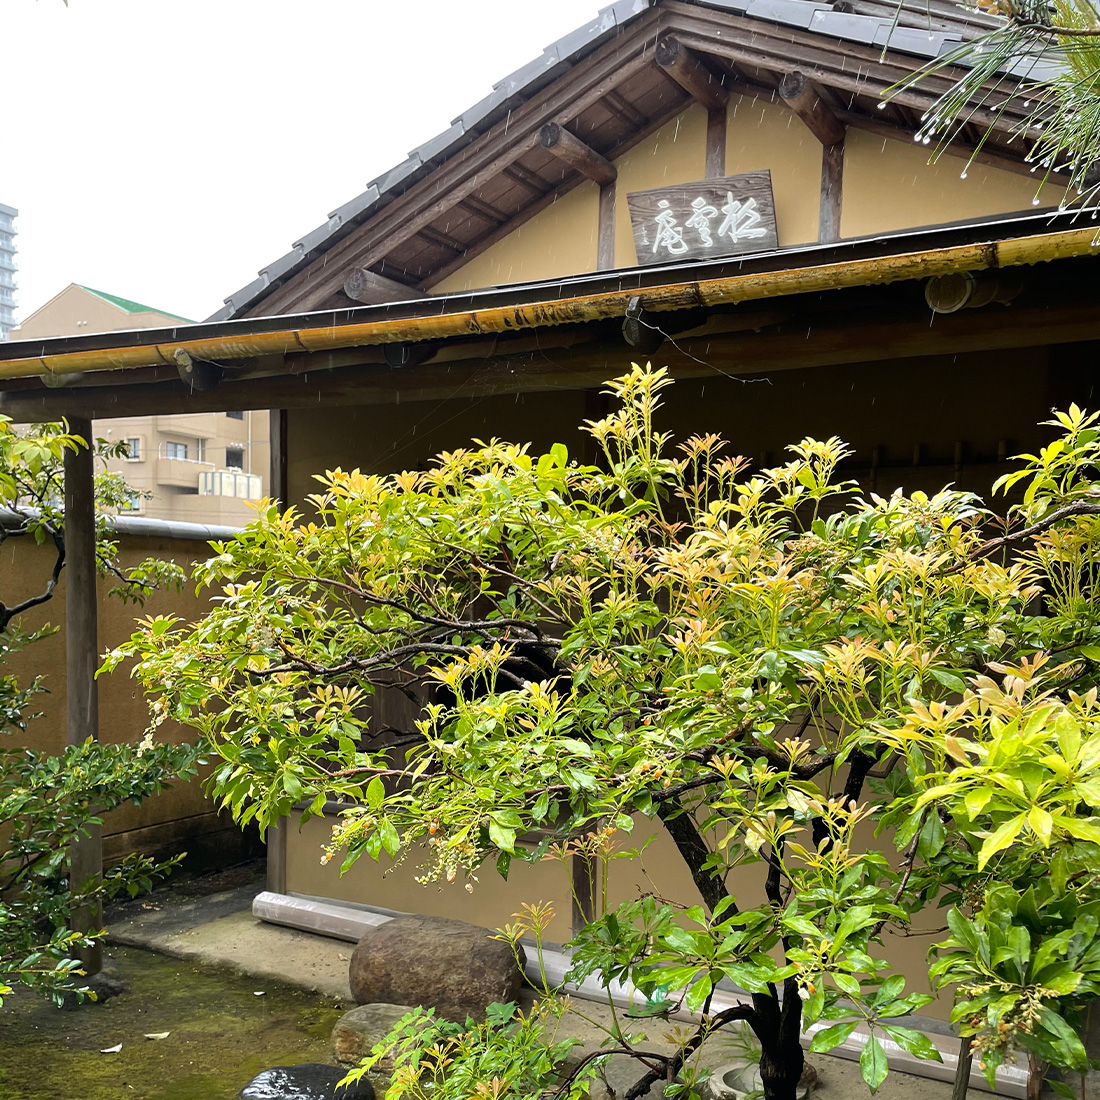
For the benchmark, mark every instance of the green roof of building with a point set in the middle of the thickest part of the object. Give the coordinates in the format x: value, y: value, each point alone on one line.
x: 131, y: 306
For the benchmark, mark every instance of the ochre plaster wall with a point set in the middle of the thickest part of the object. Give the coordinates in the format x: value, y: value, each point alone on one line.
x: 676, y: 153
x: 760, y: 134
x: 560, y: 240
x: 490, y: 903
x: 890, y: 185
x: 179, y: 819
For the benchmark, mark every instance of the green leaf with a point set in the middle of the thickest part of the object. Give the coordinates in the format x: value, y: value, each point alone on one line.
x: 388, y: 834
x: 1001, y: 838
x: 292, y: 785
x: 829, y: 1037
x: 914, y: 1042
x: 376, y: 792
x: 502, y: 836
x: 949, y: 679
x: 872, y: 1064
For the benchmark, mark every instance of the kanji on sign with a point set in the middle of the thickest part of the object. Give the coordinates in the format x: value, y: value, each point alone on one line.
x: 718, y: 217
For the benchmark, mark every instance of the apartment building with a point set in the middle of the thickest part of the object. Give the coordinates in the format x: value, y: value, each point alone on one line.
x: 197, y: 467
x: 8, y: 285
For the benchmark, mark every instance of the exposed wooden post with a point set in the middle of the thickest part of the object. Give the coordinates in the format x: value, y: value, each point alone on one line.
x: 569, y: 148
x: 716, y: 144
x: 366, y: 286
x: 605, y: 240
x: 82, y: 659
x: 275, y: 839
x: 804, y: 99
x: 692, y: 74
x: 832, y: 192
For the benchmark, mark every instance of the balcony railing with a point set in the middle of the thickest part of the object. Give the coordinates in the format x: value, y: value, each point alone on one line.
x: 231, y: 483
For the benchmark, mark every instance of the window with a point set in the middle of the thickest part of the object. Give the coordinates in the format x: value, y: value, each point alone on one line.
x: 132, y: 503
x: 175, y: 450
x: 234, y: 458
x: 133, y: 448
x: 235, y: 415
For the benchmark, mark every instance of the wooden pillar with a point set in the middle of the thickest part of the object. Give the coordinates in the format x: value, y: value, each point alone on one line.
x: 82, y: 658
x: 832, y: 187
x: 276, y: 834
x: 715, y: 166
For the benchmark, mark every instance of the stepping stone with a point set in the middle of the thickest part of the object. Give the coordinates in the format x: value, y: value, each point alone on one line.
x: 310, y: 1081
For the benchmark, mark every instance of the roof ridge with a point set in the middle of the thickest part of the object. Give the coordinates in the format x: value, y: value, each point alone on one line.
x: 130, y: 306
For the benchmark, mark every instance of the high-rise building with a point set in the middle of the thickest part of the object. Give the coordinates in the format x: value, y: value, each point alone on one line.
x: 8, y: 215
x: 198, y: 467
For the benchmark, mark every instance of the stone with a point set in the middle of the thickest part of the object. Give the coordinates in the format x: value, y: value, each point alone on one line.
x: 453, y: 967
x: 105, y: 985
x: 310, y: 1081
x: 357, y: 1031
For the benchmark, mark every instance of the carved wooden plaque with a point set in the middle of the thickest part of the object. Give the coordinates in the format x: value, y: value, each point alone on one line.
x: 698, y: 221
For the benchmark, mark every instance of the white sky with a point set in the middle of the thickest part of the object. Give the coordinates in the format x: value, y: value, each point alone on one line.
x: 165, y: 150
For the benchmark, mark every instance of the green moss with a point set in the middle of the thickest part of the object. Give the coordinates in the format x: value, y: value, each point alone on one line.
x: 220, y: 1035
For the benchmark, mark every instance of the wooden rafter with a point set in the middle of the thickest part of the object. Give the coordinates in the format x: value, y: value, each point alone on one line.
x: 805, y: 100
x: 366, y: 286
x: 689, y: 70
x: 569, y: 149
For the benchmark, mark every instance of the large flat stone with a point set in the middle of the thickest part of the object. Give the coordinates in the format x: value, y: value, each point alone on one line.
x: 357, y: 1031
x: 456, y: 968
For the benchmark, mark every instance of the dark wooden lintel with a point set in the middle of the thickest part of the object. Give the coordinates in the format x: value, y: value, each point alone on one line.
x: 805, y: 100
x: 569, y: 149
x: 688, y: 69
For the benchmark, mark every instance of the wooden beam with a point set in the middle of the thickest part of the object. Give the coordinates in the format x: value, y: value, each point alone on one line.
x: 805, y: 100
x: 82, y: 659
x: 691, y: 73
x: 571, y: 150
x: 832, y: 188
x: 366, y: 286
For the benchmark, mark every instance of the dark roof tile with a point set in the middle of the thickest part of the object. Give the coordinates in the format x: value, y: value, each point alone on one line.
x: 354, y: 207
x: 792, y: 13
x: 853, y: 28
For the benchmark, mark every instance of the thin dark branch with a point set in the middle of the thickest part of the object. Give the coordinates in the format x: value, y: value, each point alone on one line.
x: 676, y: 1062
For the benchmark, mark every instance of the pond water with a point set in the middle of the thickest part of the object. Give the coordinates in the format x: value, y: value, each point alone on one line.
x: 220, y: 1035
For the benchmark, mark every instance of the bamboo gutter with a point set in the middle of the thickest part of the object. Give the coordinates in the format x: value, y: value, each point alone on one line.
x: 558, y: 303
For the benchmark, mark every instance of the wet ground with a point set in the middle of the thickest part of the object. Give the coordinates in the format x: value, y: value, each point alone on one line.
x: 220, y: 1035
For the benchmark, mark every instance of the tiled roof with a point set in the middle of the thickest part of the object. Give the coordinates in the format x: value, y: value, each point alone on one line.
x: 924, y: 29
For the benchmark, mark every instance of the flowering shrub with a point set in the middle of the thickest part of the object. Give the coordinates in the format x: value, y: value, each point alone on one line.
x: 757, y: 661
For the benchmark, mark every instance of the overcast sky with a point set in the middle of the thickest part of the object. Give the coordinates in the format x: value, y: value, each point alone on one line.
x: 165, y: 150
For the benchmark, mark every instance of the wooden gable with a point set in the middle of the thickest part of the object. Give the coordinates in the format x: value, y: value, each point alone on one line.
x: 682, y: 92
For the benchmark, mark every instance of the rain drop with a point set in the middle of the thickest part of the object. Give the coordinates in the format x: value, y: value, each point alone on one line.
x: 962, y: 175
x: 1035, y: 201
x: 882, y: 106
x: 926, y: 141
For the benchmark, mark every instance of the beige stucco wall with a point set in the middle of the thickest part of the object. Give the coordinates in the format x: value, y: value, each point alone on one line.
x: 180, y: 819
x: 890, y: 185
x: 676, y: 153
x: 75, y: 310
x: 759, y: 135
x: 538, y: 249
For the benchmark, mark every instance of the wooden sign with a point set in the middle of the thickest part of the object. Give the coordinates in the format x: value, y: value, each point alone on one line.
x: 697, y: 221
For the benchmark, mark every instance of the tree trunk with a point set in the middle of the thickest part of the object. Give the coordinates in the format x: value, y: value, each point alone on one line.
x: 781, y: 1067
